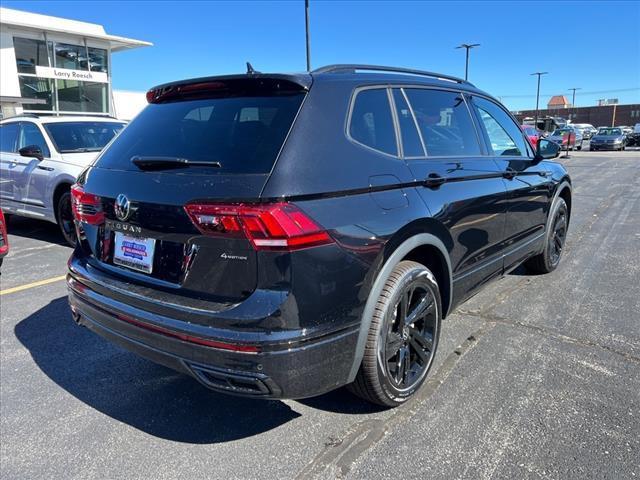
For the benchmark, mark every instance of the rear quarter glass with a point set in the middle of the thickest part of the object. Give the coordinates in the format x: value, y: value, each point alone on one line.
x: 243, y: 134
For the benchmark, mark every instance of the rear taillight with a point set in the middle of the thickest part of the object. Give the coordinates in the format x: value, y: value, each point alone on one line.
x: 275, y: 226
x: 86, y: 207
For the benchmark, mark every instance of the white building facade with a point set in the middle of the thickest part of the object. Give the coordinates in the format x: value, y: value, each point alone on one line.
x: 56, y: 66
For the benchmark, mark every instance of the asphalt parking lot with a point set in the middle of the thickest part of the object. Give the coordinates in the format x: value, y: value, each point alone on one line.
x: 536, y: 376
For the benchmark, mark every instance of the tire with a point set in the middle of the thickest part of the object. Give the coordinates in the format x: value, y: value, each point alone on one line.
x: 393, y: 345
x: 64, y: 217
x: 549, y: 259
x: 579, y: 147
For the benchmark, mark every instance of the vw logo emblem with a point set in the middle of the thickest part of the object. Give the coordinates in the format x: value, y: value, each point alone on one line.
x: 122, y: 207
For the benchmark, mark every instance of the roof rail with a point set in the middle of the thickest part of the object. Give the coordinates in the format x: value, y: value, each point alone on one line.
x: 346, y: 68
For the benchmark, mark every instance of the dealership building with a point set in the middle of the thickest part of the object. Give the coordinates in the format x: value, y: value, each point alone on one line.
x: 56, y: 66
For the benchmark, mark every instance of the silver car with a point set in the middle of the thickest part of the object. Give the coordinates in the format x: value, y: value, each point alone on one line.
x: 40, y: 158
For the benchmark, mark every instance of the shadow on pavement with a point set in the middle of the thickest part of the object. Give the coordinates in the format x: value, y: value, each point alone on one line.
x: 135, y: 391
x: 35, y: 229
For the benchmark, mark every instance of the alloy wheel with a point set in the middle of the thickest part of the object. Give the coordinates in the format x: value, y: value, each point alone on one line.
x: 409, y: 345
x: 558, y: 235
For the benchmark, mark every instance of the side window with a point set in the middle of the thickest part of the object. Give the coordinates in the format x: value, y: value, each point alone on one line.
x: 503, y: 133
x: 30, y: 135
x: 445, y: 123
x: 411, y: 143
x: 9, y: 137
x: 371, y: 121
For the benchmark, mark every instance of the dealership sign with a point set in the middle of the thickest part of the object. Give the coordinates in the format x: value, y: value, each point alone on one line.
x: 69, y: 74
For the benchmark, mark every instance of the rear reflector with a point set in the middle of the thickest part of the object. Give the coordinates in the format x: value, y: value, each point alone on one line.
x: 275, y: 226
x: 86, y: 207
x: 189, y: 338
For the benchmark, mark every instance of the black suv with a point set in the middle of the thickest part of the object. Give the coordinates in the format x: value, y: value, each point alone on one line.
x: 280, y: 236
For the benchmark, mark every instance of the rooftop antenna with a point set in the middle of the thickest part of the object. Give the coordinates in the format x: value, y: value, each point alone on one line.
x: 251, y: 70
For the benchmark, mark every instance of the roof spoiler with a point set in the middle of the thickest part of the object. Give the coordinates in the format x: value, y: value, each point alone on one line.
x: 250, y: 83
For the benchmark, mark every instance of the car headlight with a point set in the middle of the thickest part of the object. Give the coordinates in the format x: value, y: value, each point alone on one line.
x: 617, y: 140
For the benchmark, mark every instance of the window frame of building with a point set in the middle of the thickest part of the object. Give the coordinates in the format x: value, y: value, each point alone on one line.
x: 89, y: 48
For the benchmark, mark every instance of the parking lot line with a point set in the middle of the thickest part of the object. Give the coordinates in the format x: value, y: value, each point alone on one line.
x: 32, y: 285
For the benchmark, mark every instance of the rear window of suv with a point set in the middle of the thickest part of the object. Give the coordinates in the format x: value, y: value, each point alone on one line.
x: 243, y: 134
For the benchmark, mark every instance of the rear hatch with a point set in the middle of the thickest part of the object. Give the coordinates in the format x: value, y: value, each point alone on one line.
x: 161, y: 208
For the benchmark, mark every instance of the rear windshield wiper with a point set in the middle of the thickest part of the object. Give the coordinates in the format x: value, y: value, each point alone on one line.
x: 164, y: 163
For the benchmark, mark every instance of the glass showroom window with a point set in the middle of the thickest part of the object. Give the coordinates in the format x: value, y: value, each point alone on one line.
x: 30, y: 53
x: 70, y: 56
x: 98, y: 60
x: 74, y: 96
x: 40, y: 88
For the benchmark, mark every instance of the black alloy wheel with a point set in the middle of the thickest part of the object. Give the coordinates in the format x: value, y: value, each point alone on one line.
x: 403, y: 336
x: 64, y: 215
x: 407, y: 346
x: 549, y: 259
x: 558, y: 235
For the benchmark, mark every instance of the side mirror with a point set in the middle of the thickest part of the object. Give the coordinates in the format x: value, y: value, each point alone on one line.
x: 33, y: 151
x: 547, y: 149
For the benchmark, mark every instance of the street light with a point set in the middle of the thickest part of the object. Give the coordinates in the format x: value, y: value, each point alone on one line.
x: 573, y: 100
x: 467, y: 47
x: 308, y: 42
x: 539, y: 74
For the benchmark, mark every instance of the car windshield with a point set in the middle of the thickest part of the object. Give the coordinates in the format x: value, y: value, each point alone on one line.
x: 609, y: 132
x: 560, y: 131
x: 77, y: 137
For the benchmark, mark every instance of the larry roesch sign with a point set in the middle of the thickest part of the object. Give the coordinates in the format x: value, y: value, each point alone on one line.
x: 69, y: 74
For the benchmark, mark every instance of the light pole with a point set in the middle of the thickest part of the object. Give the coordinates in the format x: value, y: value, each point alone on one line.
x: 306, y: 24
x: 467, y: 47
x: 573, y: 99
x: 539, y: 74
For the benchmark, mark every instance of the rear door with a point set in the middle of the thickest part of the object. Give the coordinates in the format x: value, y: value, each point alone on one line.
x: 142, y: 233
x: 463, y: 186
x: 528, y: 183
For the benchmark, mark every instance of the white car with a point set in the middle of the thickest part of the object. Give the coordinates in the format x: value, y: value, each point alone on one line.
x: 40, y: 158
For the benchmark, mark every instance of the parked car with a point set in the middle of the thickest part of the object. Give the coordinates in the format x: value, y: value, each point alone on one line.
x: 533, y: 134
x: 568, y: 138
x: 587, y: 130
x: 634, y: 138
x: 612, y: 138
x: 40, y: 158
x: 4, y: 238
x: 278, y: 236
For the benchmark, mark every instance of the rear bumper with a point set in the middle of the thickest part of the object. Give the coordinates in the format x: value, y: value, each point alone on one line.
x: 303, y: 366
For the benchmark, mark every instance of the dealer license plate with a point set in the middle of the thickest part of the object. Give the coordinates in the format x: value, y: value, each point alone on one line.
x: 134, y: 252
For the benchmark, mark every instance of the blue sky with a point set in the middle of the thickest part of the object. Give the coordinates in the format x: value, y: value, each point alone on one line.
x: 587, y: 44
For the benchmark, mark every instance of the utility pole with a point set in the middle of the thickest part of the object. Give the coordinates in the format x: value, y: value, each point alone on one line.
x: 573, y: 100
x: 306, y: 24
x: 539, y: 74
x: 467, y: 47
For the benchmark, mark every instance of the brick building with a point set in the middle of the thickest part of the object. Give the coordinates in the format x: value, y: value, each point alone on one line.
x: 598, y: 116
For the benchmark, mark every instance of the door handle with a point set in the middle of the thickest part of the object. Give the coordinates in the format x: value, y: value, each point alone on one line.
x: 509, y: 173
x: 434, y: 180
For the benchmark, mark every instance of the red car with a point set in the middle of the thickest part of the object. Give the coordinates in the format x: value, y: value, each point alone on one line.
x: 532, y: 134
x: 4, y: 239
